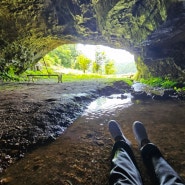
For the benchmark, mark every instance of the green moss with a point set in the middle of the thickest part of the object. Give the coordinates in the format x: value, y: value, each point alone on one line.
x: 142, y: 70
x: 121, y: 23
x: 95, y: 2
x: 163, y: 12
x: 141, y: 19
x: 79, y: 19
x: 149, y: 26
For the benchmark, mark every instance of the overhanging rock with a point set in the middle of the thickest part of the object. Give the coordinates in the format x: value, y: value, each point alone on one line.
x: 150, y: 29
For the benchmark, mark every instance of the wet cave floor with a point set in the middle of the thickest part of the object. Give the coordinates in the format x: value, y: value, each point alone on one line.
x: 81, y: 155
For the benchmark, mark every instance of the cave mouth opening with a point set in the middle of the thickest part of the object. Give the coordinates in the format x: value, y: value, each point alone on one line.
x: 90, y: 59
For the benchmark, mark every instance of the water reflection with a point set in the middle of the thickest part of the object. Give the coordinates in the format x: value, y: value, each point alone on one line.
x: 108, y: 105
x: 148, y: 89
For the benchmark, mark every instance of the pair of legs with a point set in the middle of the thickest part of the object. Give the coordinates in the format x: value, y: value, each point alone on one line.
x: 124, y: 168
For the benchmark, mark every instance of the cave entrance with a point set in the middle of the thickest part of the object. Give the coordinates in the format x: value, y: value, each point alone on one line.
x: 89, y: 59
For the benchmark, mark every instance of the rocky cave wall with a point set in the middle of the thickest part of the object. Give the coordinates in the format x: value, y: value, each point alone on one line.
x: 153, y: 30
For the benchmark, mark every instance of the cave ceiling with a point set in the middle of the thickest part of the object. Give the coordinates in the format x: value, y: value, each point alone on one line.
x: 153, y: 30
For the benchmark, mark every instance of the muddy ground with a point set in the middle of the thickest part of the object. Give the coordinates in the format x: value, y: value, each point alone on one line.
x: 33, y: 118
x: 34, y: 114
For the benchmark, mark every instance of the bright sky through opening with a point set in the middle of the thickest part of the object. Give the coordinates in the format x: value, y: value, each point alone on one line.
x: 118, y: 55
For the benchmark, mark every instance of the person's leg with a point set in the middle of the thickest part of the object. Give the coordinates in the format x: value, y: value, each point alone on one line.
x: 124, y: 169
x: 157, y: 166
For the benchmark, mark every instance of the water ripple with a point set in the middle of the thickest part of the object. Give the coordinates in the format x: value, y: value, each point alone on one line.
x: 108, y: 105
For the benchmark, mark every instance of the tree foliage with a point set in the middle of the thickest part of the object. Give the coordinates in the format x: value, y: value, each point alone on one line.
x: 64, y: 55
x: 95, y: 67
x: 83, y: 62
x: 109, y: 67
x: 100, y: 58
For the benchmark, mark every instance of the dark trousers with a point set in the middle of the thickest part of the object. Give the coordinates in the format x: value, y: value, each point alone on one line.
x: 125, y: 171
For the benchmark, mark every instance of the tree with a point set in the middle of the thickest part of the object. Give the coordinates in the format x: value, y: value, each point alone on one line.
x: 83, y: 62
x: 67, y: 54
x: 49, y: 60
x: 109, y: 67
x: 64, y: 55
x: 95, y: 67
x: 100, y: 58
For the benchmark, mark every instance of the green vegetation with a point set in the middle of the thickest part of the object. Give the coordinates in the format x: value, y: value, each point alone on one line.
x: 74, y: 77
x: 69, y: 62
x: 109, y: 67
x: 100, y: 58
x: 142, y: 70
x: 10, y: 76
x: 40, y: 72
x: 71, y: 77
x: 95, y: 67
x: 132, y: 22
x: 159, y: 82
x: 179, y: 89
x: 64, y: 55
x: 68, y: 56
x: 83, y: 62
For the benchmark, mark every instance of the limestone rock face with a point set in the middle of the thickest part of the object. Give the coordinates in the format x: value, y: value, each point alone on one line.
x: 164, y: 48
x: 153, y: 30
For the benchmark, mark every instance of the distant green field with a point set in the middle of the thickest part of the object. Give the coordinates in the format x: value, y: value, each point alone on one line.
x: 72, y: 77
x: 79, y: 77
